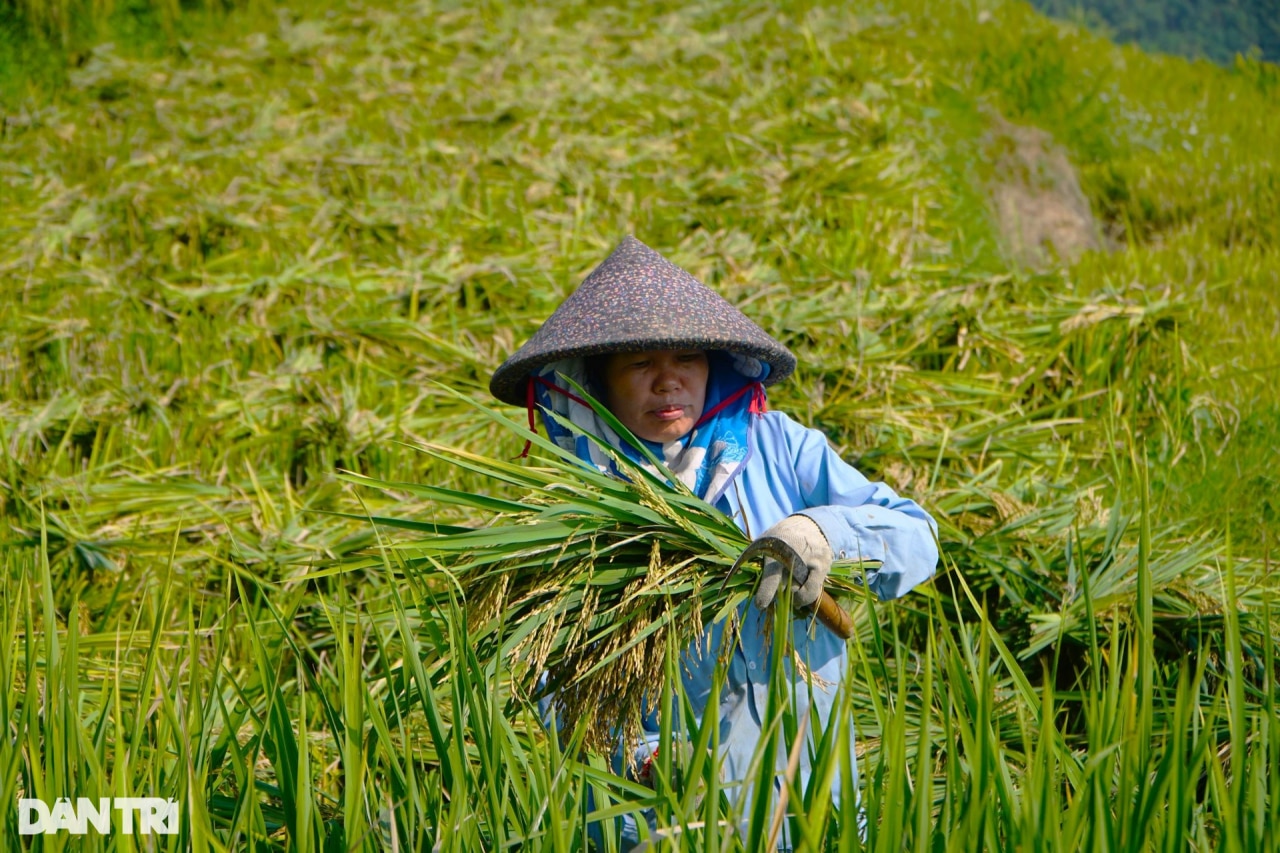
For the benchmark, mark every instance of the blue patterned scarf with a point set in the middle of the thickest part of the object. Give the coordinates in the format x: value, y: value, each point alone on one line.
x: 706, y: 459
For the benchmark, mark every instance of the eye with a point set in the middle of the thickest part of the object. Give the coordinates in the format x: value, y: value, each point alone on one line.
x: 690, y: 356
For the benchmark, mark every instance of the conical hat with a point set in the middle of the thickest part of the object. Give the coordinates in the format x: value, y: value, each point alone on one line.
x: 635, y: 301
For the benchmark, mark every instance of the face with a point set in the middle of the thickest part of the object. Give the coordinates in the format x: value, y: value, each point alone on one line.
x: 658, y: 394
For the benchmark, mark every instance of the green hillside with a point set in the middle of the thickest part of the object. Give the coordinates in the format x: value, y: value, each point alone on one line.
x: 240, y: 252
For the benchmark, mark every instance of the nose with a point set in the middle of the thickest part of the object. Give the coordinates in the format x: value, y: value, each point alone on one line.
x: 667, y: 378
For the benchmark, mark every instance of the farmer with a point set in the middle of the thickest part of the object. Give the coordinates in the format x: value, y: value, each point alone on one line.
x: 685, y: 371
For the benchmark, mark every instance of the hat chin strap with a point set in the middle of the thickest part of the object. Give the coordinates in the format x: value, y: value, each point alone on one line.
x: 531, y: 405
x: 759, y: 402
x: 533, y: 424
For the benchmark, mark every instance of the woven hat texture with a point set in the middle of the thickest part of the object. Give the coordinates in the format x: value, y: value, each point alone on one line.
x: 637, y: 300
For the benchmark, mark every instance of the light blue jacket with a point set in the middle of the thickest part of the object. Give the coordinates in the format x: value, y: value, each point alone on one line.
x: 792, y: 469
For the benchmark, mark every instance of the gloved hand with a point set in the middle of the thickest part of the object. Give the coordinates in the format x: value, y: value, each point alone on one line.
x: 797, y: 548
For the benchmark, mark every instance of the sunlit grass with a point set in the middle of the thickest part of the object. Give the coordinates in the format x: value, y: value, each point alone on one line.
x: 236, y: 266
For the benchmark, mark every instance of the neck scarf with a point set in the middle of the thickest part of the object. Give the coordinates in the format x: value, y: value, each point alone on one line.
x: 706, y: 459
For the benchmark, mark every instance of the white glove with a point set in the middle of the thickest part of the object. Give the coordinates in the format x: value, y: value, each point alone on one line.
x: 799, y: 549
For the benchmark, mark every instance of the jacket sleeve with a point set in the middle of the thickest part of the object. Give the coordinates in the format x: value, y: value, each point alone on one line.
x: 861, y: 519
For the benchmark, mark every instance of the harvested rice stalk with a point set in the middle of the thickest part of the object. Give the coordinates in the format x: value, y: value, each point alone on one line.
x: 585, y: 580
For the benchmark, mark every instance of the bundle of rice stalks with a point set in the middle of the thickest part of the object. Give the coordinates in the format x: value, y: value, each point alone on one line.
x: 578, y: 587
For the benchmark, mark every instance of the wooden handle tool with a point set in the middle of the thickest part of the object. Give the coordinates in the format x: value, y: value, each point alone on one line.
x: 828, y: 611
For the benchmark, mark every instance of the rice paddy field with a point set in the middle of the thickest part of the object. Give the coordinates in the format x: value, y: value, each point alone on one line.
x: 256, y: 270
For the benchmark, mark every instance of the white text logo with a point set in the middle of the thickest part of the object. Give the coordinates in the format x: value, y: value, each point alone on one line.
x: 154, y: 815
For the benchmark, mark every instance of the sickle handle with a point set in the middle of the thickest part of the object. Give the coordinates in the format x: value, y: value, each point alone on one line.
x: 833, y: 616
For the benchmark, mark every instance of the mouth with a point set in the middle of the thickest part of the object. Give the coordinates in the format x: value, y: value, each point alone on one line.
x: 668, y: 413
